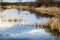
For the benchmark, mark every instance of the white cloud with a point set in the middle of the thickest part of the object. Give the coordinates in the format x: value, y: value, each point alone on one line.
x: 5, y: 25
x: 31, y: 34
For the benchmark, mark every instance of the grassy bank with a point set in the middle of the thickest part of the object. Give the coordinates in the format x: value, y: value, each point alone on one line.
x: 20, y: 7
x: 52, y: 23
x: 48, y: 11
x: 55, y: 11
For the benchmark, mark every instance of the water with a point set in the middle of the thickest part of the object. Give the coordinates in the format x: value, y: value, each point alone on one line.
x: 21, y: 25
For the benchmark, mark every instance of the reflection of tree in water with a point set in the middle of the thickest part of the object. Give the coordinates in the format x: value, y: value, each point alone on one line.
x: 38, y: 14
x: 53, y: 33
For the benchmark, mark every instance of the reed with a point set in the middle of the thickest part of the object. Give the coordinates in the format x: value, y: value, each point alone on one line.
x: 49, y: 10
x: 53, y: 24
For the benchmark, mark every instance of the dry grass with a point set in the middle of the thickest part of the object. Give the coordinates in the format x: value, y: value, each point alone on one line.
x: 49, y: 10
x: 14, y: 6
x: 53, y: 24
x: 44, y: 10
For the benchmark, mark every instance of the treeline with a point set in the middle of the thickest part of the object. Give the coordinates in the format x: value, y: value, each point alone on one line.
x: 47, y: 3
x: 19, y: 3
x: 37, y: 3
x: 8, y: 3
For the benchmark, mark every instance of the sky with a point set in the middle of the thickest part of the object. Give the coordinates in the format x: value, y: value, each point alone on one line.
x: 17, y: 0
x: 22, y: 0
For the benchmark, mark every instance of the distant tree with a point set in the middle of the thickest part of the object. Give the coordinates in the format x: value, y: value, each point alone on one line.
x: 19, y: 2
x: 38, y: 3
x: 51, y: 3
x: 44, y: 2
x: 1, y: 0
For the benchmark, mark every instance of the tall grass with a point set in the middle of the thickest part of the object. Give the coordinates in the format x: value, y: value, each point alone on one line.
x: 53, y: 24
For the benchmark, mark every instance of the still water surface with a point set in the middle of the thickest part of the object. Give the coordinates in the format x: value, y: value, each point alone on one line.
x: 21, y: 25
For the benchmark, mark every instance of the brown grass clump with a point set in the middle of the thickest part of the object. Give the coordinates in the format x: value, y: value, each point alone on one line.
x: 53, y: 24
x: 49, y: 10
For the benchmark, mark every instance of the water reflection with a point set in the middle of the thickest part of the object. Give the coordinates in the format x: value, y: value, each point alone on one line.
x: 23, y: 15
x: 53, y: 33
x: 21, y: 25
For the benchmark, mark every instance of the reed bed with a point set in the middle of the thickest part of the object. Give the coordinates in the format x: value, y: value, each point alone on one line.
x: 14, y: 6
x: 49, y: 10
x: 53, y: 24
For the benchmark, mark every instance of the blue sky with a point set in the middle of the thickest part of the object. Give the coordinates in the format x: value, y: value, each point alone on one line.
x: 22, y: 0
x: 17, y: 0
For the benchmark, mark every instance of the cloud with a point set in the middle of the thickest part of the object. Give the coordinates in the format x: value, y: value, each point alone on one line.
x: 31, y: 34
x: 5, y: 25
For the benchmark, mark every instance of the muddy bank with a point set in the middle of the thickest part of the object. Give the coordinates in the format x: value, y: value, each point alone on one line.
x: 53, y: 24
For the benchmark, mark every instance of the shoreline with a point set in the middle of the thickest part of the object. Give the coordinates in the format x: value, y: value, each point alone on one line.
x: 50, y: 11
x: 53, y: 23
